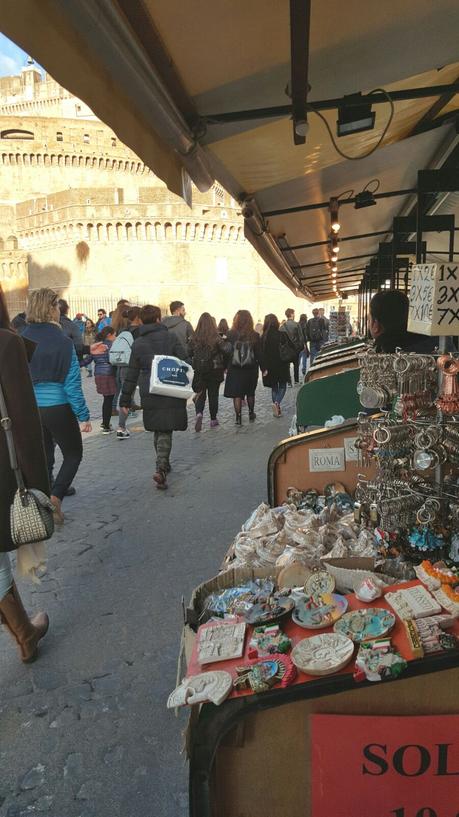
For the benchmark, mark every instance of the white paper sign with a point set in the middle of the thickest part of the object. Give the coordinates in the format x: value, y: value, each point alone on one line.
x: 434, y: 299
x: 351, y: 453
x: 326, y: 459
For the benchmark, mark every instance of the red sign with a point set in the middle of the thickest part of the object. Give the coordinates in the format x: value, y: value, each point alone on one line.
x: 385, y: 766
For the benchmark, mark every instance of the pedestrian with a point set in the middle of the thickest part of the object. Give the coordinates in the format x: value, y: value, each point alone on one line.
x: 304, y: 354
x: 28, y: 441
x: 70, y: 328
x: 223, y: 328
x: 117, y: 313
x: 292, y: 329
x: 102, y: 320
x: 326, y: 322
x: 211, y: 354
x: 259, y: 328
x: 119, y: 319
x: 275, y: 371
x: 56, y: 380
x: 120, y: 355
x: 181, y: 329
x: 242, y: 376
x: 104, y: 374
x: 162, y: 415
x: 89, y: 338
x: 317, y: 334
x: 79, y: 321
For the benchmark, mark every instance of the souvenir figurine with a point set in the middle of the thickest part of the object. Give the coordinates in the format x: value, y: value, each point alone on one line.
x: 260, y: 676
x: 208, y: 686
x: 268, y: 640
x: 377, y: 660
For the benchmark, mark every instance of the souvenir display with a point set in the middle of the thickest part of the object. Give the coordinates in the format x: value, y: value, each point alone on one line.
x: 448, y: 598
x: 220, y: 642
x: 212, y: 686
x: 271, y: 609
x: 413, y: 602
x: 323, y: 654
x: 294, y: 575
x: 377, y: 661
x: 319, y: 611
x: 339, y: 324
x: 371, y: 622
x: 239, y: 600
x: 368, y: 589
x: 268, y: 640
x: 260, y: 676
x: 319, y: 583
x: 427, y: 635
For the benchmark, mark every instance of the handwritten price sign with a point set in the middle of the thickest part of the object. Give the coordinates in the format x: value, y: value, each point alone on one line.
x: 385, y: 766
x: 434, y: 300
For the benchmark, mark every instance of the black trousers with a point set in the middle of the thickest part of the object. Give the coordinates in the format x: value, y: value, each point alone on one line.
x: 60, y: 427
x: 211, y: 390
x: 107, y: 408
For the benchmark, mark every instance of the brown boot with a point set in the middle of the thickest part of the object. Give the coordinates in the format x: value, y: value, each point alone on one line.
x: 59, y: 518
x: 26, y: 632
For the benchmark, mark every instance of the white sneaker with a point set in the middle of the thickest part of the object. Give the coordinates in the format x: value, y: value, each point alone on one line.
x: 122, y: 434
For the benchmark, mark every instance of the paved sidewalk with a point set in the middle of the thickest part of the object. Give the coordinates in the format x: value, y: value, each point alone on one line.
x: 84, y: 731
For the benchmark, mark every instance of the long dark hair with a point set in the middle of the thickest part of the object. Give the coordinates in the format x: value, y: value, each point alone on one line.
x: 206, y: 333
x: 270, y: 321
x: 243, y: 325
x: 119, y: 319
x: 223, y: 327
x: 4, y: 316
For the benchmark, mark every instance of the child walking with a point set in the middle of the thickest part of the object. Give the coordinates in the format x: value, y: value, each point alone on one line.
x: 104, y: 373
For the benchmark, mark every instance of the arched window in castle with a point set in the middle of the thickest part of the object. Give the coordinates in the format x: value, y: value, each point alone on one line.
x: 32, y: 159
x: 39, y: 159
x: 178, y: 231
x: 113, y: 142
x: 14, y: 133
x: 70, y: 232
x: 119, y: 231
x: 90, y: 232
x: 4, y: 158
x: 11, y: 155
x: 4, y: 270
x: 94, y: 161
x: 159, y: 231
x: 107, y: 164
x: 67, y: 161
x: 25, y: 158
x: 11, y: 243
x: 88, y: 161
x: 110, y: 232
x: 86, y: 138
x: 224, y: 235
x: 168, y: 231
x: 139, y: 233
x: 2, y: 244
x: 12, y: 269
x: 148, y: 231
x: 207, y: 232
x: 132, y: 167
x: 101, y: 163
x: 60, y: 160
x: 18, y: 159
x: 74, y: 161
x: 214, y: 234
x: 64, y: 232
x: 232, y: 233
x: 53, y: 160
x: 20, y: 270
x: 100, y: 232
x: 59, y: 136
x: 80, y: 161
x: 129, y: 231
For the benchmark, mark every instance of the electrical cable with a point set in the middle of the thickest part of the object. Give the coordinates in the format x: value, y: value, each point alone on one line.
x: 378, y: 143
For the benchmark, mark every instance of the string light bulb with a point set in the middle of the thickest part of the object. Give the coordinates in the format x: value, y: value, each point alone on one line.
x: 334, y: 219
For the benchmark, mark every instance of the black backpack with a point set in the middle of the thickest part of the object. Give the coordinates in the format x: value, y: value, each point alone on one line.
x: 243, y: 355
x: 287, y: 351
x: 316, y: 329
x: 202, y: 361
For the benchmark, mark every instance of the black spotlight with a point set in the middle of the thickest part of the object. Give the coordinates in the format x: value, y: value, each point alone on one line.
x: 354, y: 115
x: 364, y: 199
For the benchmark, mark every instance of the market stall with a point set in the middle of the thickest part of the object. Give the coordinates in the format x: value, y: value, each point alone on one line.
x: 336, y: 602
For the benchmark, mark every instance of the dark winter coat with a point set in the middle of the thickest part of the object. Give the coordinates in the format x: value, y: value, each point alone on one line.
x: 407, y: 341
x: 278, y: 371
x: 159, y: 413
x: 183, y: 333
x: 70, y: 329
x: 218, y: 357
x: 242, y: 382
x: 22, y: 409
x: 292, y: 328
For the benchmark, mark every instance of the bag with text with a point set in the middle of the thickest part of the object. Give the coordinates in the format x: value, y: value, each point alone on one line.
x: 171, y: 377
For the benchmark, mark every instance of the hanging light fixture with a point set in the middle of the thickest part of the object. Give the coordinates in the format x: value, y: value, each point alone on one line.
x: 334, y: 214
x: 355, y: 117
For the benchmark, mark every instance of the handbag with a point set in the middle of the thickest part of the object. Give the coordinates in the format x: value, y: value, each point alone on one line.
x: 31, y: 514
x: 171, y: 377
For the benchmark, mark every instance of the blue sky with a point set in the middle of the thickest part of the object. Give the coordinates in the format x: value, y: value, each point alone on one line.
x: 12, y: 58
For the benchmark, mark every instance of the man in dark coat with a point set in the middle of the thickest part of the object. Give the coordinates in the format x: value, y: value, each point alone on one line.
x: 161, y: 414
x: 181, y: 329
x: 388, y: 325
x: 70, y: 328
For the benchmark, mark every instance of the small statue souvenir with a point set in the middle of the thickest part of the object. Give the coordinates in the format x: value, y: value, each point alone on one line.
x: 208, y: 686
x: 268, y: 640
x: 377, y: 660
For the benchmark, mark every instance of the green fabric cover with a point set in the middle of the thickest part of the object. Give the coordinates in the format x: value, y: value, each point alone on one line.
x: 319, y: 400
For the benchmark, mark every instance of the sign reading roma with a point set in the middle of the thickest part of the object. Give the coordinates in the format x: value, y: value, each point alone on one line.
x: 385, y: 766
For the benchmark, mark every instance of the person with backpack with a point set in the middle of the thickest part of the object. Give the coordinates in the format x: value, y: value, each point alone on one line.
x: 104, y: 373
x: 210, y: 358
x: 317, y: 334
x: 274, y: 369
x: 292, y: 330
x: 180, y: 328
x: 120, y: 355
x: 162, y: 415
x: 304, y: 354
x: 242, y: 376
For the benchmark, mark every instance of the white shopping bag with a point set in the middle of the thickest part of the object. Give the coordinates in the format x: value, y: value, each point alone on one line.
x: 171, y: 377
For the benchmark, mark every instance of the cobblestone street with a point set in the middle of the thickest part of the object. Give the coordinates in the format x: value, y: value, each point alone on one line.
x: 84, y: 732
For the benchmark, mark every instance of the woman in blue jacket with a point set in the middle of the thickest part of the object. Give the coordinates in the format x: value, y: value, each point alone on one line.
x: 57, y: 384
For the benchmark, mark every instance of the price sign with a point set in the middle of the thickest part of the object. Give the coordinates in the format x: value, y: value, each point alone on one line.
x: 385, y: 766
x: 434, y: 299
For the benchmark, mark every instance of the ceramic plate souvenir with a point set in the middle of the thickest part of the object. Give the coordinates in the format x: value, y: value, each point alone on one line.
x: 319, y: 582
x: 331, y: 608
x: 269, y: 611
x: 322, y: 654
x: 369, y: 623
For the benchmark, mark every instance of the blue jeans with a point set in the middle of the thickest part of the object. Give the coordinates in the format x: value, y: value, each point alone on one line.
x: 6, y: 575
x: 314, y: 349
x: 278, y: 392
x: 304, y: 361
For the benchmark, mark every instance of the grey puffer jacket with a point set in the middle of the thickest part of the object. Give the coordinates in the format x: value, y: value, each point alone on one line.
x: 183, y: 332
